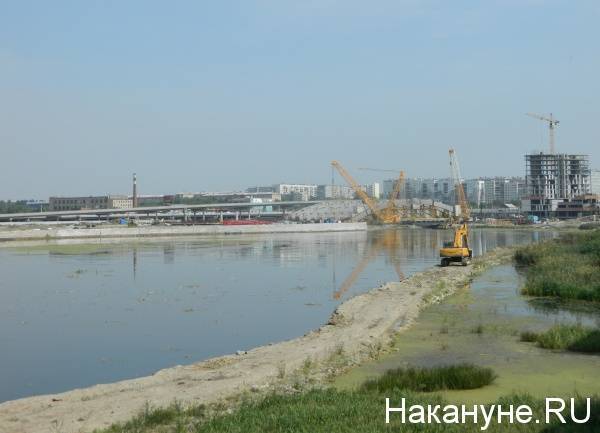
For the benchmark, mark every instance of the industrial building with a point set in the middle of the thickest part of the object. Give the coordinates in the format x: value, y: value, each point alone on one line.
x: 90, y: 202
x: 553, y: 178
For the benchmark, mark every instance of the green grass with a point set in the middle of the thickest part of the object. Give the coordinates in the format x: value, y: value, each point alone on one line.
x: 575, y: 338
x: 566, y: 268
x: 333, y: 411
x: 461, y: 376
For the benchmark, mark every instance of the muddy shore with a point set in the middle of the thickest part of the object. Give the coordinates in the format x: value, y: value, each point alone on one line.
x: 359, y: 329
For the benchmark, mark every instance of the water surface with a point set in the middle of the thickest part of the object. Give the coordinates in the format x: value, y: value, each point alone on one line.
x: 76, y: 314
x: 482, y: 325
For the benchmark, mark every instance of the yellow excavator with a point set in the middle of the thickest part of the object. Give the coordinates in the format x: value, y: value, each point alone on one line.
x: 457, y: 250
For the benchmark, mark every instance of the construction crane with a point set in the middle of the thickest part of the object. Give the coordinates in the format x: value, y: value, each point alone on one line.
x: 458, y: 250
x: 459, y: 191
x: 391, y: 212
x: 552, y: 124
x: 387, y: 215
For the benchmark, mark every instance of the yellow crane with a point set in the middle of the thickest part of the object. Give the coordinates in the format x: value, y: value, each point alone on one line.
x: 389, y: 214
x: 458, y: 249
x: 552, y: 124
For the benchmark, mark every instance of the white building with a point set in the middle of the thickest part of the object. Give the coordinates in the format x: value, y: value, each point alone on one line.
x: 373, y: 190
x: 327, y: 192
x: 303, y: 192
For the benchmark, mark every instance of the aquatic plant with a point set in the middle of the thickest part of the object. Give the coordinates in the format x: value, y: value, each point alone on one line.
x: 575, y: 338
x: 460, y: 376
x: 567, y: 268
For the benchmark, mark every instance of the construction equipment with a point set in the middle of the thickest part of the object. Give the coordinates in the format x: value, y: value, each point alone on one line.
x: 389, y: 214
x: 458, y: 250
x: 552, y: 124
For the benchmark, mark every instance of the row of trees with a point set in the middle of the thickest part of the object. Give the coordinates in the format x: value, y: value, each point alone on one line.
x: 10, y: 206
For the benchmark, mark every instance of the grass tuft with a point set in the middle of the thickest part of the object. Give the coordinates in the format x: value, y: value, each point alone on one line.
x: 575, y: 338
x: 461, y: 376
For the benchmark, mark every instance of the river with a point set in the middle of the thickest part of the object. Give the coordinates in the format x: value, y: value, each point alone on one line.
x: 74, y: 314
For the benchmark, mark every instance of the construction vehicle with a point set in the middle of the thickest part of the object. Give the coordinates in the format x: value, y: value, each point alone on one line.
x: 458, y: 250
x: 387, y: 215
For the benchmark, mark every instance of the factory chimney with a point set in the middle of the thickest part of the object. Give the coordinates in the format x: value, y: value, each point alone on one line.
x: 135, y: 198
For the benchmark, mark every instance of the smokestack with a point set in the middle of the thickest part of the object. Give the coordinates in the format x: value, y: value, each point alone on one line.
x: 135, y: 200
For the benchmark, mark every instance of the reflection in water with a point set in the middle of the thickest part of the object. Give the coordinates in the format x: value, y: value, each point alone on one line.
x: 388, y: 242
x: 80, y: 311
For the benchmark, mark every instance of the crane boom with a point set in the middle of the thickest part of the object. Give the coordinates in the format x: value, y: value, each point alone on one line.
x: 358, y: 190
x: 552, y: 124
x: 459, y: 191
x: 390, y: 210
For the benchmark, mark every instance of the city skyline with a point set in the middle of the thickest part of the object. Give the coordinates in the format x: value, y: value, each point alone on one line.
x: 211, y: 97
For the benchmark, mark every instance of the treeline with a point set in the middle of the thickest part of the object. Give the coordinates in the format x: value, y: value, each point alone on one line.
x: 9, y: 206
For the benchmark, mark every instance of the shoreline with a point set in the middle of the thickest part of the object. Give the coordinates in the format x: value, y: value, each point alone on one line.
x: 50, y: 233
x: 365, y: 324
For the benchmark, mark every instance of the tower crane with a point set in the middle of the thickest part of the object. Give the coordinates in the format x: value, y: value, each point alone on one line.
x: 458, y: 250
x: 552, y: 124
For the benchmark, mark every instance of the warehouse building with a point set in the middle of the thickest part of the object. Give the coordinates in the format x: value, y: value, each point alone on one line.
x: 90, y: 202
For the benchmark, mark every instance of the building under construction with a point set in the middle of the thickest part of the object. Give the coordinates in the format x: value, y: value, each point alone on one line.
x: 552, y: 178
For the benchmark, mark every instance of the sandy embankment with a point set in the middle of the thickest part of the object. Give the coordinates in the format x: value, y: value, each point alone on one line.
x: 362, y: 325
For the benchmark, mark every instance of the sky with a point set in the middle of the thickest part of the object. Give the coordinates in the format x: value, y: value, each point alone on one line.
x: 222, y: 95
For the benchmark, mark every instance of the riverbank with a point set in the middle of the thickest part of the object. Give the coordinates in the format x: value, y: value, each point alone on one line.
x: 51, y: 233
x: 358, y: 330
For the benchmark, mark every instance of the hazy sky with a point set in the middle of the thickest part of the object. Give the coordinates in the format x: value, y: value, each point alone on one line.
x: 220, y: 95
